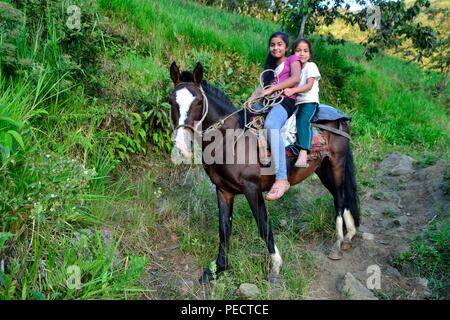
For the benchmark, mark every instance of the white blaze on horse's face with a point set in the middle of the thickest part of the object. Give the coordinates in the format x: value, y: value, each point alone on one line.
x: 183, y: 138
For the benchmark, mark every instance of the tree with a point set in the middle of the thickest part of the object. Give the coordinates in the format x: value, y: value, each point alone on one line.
x: 391, y: 23
x: 438, y: 58
x: 302, y: 17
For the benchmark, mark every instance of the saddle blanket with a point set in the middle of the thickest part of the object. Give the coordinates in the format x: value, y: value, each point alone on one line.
x: 324, y: 113
x: 319, y: 146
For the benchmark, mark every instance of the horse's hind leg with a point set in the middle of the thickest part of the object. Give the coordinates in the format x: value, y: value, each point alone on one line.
x: 225, y: 203
x: 330, y: 174
x: 351, y: 230
x: 255, y: 198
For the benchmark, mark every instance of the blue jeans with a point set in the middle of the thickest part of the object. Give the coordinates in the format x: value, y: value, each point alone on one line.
x: 305, y: 113
x: 276, y: 118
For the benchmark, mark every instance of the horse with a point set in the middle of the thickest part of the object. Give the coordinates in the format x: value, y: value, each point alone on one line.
x: 195, y: 100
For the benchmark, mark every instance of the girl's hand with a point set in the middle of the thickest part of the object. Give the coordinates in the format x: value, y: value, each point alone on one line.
x: 289, y: 92
x: 267, y: 92
x: 256, y: 94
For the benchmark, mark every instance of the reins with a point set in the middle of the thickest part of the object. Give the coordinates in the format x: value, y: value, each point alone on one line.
x: 267, y: 102
x: 204, y: 112
x: 256, y: 124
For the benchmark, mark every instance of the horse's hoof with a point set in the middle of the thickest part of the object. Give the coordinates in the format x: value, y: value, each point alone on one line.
x: 274, y: 278
x: 335, y: 255
x: 346, y: 245
x: 207, y: 276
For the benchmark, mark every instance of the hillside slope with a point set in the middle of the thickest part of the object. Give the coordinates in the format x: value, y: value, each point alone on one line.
x: 96, y: 113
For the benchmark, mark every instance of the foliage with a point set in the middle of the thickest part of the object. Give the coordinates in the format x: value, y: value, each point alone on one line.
x: 397, y: 22
x: 429, y: 257
x: 54, y: 190
x: 11, y: 23
x: 133, y: 141
x: 47, y: 268
x: 51, y: 36
x: 46, y: 119
x: 97, y: 106
x: 10, y: 137
x: 45, y: 199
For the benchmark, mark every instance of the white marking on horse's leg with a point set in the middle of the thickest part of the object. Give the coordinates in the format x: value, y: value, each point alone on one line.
x: 350, y: 225
x: 339, y: 229
x: 277, y: 262
x: 336, y: 252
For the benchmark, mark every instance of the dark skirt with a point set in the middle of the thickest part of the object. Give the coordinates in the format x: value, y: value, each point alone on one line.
x: 289, y: 105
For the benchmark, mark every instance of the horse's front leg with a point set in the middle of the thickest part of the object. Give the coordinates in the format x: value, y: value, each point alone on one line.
x: 225, y: 203
x: 255, y: 198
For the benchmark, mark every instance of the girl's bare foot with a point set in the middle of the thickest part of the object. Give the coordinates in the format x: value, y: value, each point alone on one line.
x: 278, y: 189
x: 302, y: 160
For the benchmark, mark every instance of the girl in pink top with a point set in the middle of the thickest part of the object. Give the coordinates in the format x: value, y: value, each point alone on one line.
x: 287, y: 70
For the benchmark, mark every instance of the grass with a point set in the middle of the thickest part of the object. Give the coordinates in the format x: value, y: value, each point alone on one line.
x: 248, y: 253
x: 211, y: 27
x: 429, y: 258
x: 53, y: 174
x: 356, y: 88
x: 147, y: 199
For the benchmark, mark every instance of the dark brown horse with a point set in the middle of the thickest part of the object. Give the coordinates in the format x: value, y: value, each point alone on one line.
x: 192, y: 100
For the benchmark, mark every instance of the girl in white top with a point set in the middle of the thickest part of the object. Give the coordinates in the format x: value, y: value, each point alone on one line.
x: 307, y: 98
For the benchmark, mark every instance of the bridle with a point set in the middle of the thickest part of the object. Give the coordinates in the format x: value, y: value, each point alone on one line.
x: 204, y: 112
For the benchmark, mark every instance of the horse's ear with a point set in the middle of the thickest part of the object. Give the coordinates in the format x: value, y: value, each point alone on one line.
x: 174, y: 73
x: 198, y: 73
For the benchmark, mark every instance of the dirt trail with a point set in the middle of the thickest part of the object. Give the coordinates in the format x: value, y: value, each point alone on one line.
x: 405, y: 201
x: 172, y: 274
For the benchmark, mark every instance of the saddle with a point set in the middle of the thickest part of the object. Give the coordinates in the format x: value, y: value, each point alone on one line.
x: 319, y: 146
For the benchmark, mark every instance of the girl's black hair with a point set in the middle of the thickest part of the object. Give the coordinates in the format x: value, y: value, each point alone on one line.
x: 300, y: 40
x: 270, y: 60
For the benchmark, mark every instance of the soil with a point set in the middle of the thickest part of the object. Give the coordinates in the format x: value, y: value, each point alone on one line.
x: 404, y: 201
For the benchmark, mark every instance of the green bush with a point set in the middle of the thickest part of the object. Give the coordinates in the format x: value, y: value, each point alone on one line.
x: 45, y: 188
x: 51, y: 38
x: 429, y: 257
x: 79, y: 265
x: 11, y: 22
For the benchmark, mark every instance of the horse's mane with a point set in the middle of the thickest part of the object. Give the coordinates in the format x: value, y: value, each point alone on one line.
x: 215, y: 93
x: 223, y: 101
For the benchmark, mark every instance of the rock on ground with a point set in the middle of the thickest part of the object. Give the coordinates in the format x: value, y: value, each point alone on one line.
x: 248, y: 291
x: 368, y: 236
x: 397, y: 164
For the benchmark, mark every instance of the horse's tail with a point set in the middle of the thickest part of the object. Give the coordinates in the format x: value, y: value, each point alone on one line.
x: 350, y: 190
